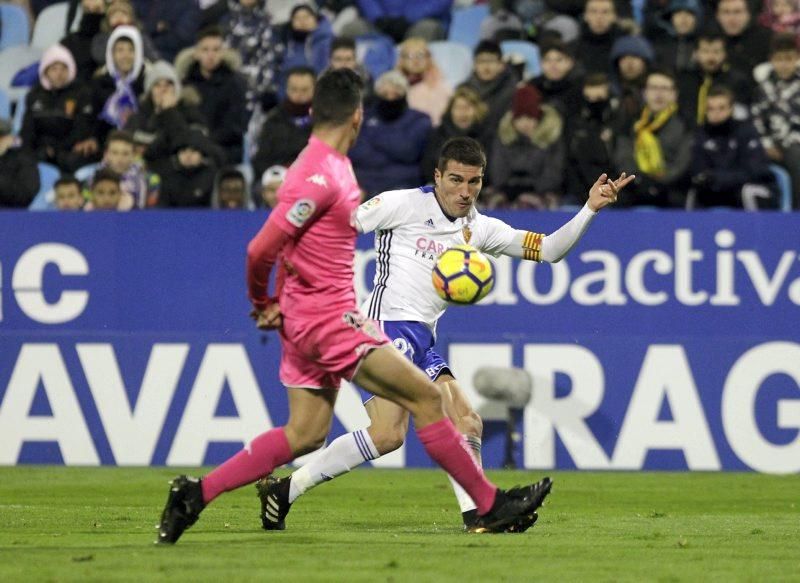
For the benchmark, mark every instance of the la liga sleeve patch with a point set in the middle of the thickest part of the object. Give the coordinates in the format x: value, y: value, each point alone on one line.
x: 301, y: 211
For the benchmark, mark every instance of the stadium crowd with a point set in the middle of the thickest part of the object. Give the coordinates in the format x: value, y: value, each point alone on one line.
x: 146, y: 104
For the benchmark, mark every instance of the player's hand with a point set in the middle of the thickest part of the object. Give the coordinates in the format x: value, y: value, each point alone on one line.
x: 605, y: 191
x: 269, y: 318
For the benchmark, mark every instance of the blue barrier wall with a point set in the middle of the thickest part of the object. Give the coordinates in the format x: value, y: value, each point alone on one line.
x: 664, y: 341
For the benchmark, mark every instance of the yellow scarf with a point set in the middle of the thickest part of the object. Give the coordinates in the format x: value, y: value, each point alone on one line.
x: 649, y: 157
x: 702, y: 97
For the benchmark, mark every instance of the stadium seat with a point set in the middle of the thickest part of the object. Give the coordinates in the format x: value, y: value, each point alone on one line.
x: 19, y: 112
x: 376, y: 52
x: 453, y: 59
x: 465, y: 26
x: 50, y: 25
x: 84, y: 173
x: 15, y: 29
x: 45, y: 199
x: 5, y: 105
x: 11, y: 61
x: 528, y: 51
x: 784, y: 187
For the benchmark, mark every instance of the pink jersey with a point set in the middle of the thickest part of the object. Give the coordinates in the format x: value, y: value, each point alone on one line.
x: 316, y: 207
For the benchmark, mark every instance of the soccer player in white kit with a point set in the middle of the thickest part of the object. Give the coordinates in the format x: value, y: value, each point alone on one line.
x: 413, y: 227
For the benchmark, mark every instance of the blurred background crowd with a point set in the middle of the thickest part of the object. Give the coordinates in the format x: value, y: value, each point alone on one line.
x: 140, y: 104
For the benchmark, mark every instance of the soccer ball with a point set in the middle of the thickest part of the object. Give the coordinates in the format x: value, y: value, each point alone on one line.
x: 463, y: 275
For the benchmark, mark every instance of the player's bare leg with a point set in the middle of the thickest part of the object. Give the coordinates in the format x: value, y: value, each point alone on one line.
x: 310, y: 417
x: 386, y: 373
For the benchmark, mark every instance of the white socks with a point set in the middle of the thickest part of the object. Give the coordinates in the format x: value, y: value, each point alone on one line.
x: 464, y: 501
x: 342, y: 455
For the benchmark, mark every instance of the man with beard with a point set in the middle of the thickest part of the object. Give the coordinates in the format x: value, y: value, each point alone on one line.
x: 288, y: 125
x: 389, y: 150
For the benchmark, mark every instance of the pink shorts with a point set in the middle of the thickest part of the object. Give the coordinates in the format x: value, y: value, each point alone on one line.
x: 318, y: 353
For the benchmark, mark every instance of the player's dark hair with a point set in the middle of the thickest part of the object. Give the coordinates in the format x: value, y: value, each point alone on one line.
x: 722, y: 91
x: 342, y: 42
x: 783, y: 42
x: 463, y: 150
x: 107, y: 175
x: 66, y: 180
x: 337, y: 96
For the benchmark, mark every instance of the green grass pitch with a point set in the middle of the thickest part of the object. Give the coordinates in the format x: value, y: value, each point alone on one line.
x: 78, y: 524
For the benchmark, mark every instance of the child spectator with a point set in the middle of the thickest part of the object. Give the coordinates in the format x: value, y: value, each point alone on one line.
x: 728, y: 160
x: 120, y: 158
x: 428, y: 90
x: 107, y: 194
x: 58, y: 120
x: 19, y: 175
x: 776, y: 110
x: 116, y: 87
x: 527, y: 158
x: 658, y: 147
x: 69, y: 196
x: 212, y: 70
x: 231, y: 191
x: 560, y: 81
x: 187, y: 177
x: 271, y: 181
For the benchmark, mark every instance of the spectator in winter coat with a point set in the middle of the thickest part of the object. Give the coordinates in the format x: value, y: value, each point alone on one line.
x: 728, y: 162
x: 632, y: 57
x: 781, y: 16
x: 527, y: 159
x: 79, y: 43
x: 212, y: 71
x: 120, y: 13
x: 166, y: 112
x: 747, y: 42
x: 428, y: 90
x: 389, y: 149
x: 590, y: 137
x: 58, y: 120
x: 674, y: 46
x: 657, y: 149
x: 711, y: 68
x: 560, y: 81
x: 19, y: 175
x: 307, y: 37
x: 776, y: 110
x: 187, y: 177
x: 116, y: 87
x: 599, y: 31
x: 287, y: 126
x: 172, y: 25
x: 495, y: 83
x: 464, y: 118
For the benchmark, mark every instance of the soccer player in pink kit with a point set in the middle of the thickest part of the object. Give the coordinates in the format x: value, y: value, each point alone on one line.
x: 325, y: 339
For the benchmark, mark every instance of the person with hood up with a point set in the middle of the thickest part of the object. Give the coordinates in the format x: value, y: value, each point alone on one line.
x: 117, y: 86
x: 19, y: 176
x: 560, y: 81
x: 307, y: 36
x: 59, y: 121
x: 526, y: 165
x: 166, y: 112
x: 389, y: 149
x: 120, y: 13
x: 674, y: 46
x: 187, y: 177
x: 632, y: 57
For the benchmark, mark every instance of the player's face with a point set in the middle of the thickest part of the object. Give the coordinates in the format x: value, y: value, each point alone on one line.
x: 458, y: 187
x: 719, y: 109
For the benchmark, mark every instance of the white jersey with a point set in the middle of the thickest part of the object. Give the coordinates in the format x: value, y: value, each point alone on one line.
x: 411, y: 231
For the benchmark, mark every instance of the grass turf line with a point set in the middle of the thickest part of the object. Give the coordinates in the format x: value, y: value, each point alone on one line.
x: 97, y: 524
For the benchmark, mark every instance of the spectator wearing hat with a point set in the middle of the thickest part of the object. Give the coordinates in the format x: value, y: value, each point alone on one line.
x: 389, y: 149
x: 428, y: 90
x: 167, y: 110
x: 307, y: 38
x: 657, y: 149
x: 287, y: 126
x: 120, y: 13
x: 271, y: 181
x: 599, y: 31
x: 494, y: 82
x: 117, y: 86
x: 746, y: 41
x: 711, y: 68
x: 560, y: 81
x: 527, y: 158
x: 19, y: 175
x: 632, y: 57
x: 464, y: 117
x: 172, y: 25
x: 59, y: 119
x: 187, y: 177
x: 674, y: 46
x: 211, y: 69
